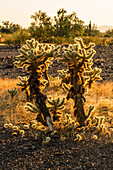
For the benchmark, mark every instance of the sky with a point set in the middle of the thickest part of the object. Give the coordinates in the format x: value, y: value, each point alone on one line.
x: 100, y: 12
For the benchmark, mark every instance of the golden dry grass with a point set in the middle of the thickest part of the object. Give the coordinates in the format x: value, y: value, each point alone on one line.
x: 100, y: 95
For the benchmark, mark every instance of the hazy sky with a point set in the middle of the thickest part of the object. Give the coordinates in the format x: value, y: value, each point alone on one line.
x: 99, y: 12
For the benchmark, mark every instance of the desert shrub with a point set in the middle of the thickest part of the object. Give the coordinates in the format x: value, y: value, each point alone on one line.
x: 19, y: 37
x: 97, y: 40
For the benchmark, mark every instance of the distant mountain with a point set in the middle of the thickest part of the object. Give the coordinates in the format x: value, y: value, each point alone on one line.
x: 104, y: 28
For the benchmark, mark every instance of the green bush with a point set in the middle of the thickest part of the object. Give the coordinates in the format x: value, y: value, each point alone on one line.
x: 18, y: 37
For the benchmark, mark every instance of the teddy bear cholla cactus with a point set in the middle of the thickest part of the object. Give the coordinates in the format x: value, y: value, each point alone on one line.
x: 56, y: 106
x: 62, y: 75
x: 79, y: 76
x: 35, y: 57
x: 12, y: 92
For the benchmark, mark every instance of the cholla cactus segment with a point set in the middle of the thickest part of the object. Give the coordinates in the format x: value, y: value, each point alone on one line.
x: 48, y: 139
x: 22, y: 132
x: 78, y: 52
x: 44, y: 81
x: 14, y: 133
x: 33, y: 126
x: 91, y: 108
x: 15, y: 128
x: 31, y: 108
x: 6, y: 126
x: 100, y: 120
x: 78, y: 137
x: 82, y: 45
x: 66, y: 87
x: 95, y: 137
x: 33, y: 122
x: 10, y: 125
x: 68, y: 118
x: 12, y: 92
x: 62, y: 73
x: 24, y: 83
x: 45, y: 142
x: 26, y: 126
x: 59, y: 104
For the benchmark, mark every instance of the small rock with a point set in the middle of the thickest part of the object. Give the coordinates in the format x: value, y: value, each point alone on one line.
x: 33, y: 147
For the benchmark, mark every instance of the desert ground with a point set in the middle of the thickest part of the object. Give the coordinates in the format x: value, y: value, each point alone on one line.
x: 93, y: 149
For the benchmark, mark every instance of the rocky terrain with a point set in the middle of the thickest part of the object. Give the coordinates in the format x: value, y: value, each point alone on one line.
x: 27, y: 153
x: 102, y: 59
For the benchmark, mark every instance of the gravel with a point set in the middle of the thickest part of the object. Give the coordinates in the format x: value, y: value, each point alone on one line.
x: 18, y: 153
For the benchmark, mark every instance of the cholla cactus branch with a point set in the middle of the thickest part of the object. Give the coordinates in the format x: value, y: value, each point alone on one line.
x: 92, y: 75
x: 32, y: 108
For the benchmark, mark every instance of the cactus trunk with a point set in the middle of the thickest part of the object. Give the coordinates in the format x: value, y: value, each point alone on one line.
x: 78, y: 98
x: 79, y: 110
x: 40, y: 102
